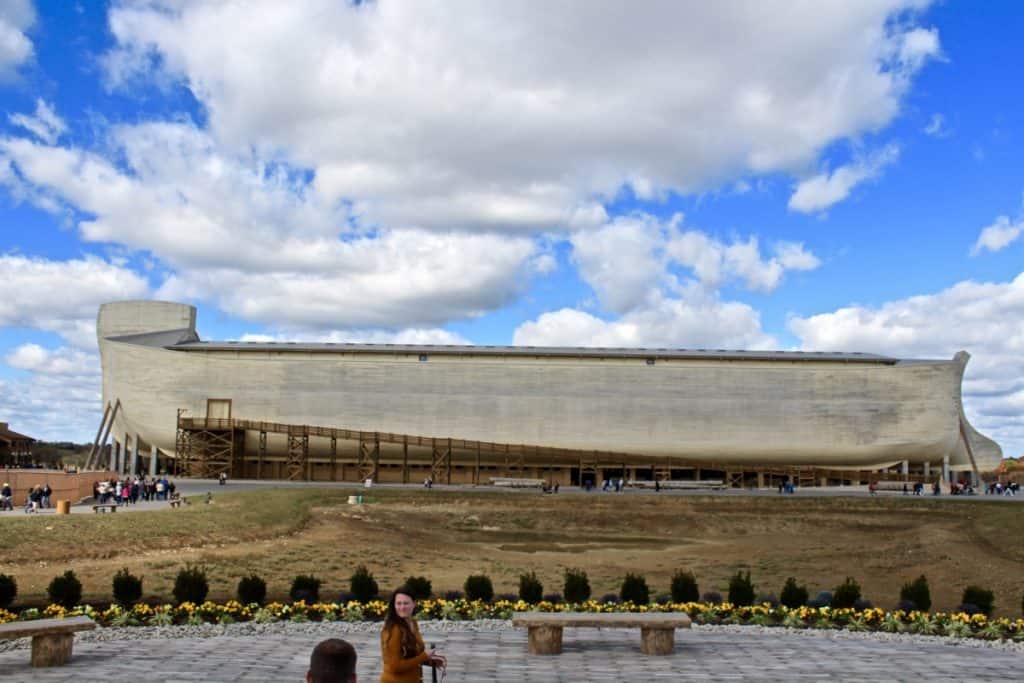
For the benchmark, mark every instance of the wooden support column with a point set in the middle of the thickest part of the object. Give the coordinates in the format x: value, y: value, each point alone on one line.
x: 334, y: 458
x: 261, y: 453
x: 760, y: 479
x: 405, y: 459
x: 476, y: 472
x: 376, y: 457
x: 449, y: 463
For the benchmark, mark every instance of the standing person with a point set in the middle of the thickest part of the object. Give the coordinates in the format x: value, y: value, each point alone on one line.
x: 401, y: 644
x: 333, y: 661
x: 5, y: 498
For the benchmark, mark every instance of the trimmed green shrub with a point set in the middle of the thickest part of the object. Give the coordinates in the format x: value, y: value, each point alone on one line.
x: 741, y: 589
x: 531, y: 590
x: 577, y: 586
x: 684, y: 587
x: 478, y: 587
x: 419, y: 587
x: 127, y: 588
x: 191, y: 585
x: 981, y: 598
x: 252, y: 589
x: 793, y: 595
x: 363, y: 585
x: 306, y: 588
x: 65, y: 590
x: 634, y: 589
x: 917, y: 592
x: 8, y: 590
x: 846, y: 594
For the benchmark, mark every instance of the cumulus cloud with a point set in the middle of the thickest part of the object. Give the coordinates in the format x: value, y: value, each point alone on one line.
x: 986, y: 319
x: 59, y: 398
x: 63, y: 296
x: 404, y: 109
x: 396, y: 279
x: 998, y: 236
x: 825, y: 189
x: 45, y: 124
x: 634, y: 263
x: 16, y: 17
x: 631, y: 261
x: 411, y: 336
x: 696, y: 320
x: 252, y: 237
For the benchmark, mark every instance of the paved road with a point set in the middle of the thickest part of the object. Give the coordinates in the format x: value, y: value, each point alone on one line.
x: 589, y: 655
x: 191, y: 487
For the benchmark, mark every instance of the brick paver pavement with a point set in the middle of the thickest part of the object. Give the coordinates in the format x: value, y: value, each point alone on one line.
x: 589, y: 655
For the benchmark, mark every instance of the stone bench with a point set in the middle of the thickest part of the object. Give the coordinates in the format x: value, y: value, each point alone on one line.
x: 51, y: 638
x: 103, y: 507
x: 657, y: 631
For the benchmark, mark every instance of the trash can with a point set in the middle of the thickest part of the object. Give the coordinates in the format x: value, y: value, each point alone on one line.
x: 63, y: 507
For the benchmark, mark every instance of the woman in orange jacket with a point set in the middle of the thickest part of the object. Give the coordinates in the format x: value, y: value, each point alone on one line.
x: 401, y: 644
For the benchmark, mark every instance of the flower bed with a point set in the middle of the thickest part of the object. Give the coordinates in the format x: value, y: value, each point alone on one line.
x: 873, y: 619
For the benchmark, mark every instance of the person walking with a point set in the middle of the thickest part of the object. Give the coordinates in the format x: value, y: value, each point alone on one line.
x: 401, y: 644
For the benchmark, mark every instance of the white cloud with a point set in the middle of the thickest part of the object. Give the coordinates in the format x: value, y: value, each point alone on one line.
x: 825, y: 189
x: 59, y: 399
x: 936, y: 126
x: 253, y: 238
x: 621, y: 260
x: 405, y: 109
x: 985, y: 319
x: 918, y: 46
x: 998, y: 236
x: 45, y: 124
x: 62, y: 296
x: 696, y: 320
x: 16, y: 17
x: 406, y: 336
x: 399, y: 278
x: 64, y: 361
x: 629, y: 259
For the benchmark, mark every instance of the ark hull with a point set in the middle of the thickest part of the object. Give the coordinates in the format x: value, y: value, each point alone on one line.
x: 800, y: 409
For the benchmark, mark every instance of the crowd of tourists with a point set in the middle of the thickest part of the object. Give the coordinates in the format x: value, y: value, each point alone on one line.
x: 131, y: 490
x: 37, y: 498
x: 998, y: 488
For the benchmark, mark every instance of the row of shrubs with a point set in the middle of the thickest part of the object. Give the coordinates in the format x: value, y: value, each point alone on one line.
x: 192, y: 586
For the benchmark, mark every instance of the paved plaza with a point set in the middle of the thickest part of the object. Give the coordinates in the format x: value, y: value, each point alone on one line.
x: 500, y: 654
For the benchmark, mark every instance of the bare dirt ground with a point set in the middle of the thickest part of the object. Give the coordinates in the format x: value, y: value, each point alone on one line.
x: 447, y: 535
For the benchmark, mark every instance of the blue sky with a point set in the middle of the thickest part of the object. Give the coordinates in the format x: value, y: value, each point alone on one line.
x: 753, y: 175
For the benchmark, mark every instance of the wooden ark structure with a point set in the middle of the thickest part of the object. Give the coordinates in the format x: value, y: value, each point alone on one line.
x: 464, y: 414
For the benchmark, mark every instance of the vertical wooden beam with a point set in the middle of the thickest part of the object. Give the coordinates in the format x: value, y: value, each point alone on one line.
x: 376, y: 457
x: 449, y: 463
x: 334, y: 457
x: 261, y: 454
x: 405, y: 459
x: 476, y: 472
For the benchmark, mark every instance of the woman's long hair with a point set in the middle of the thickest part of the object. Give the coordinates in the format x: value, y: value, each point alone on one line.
x: 410, y: 648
